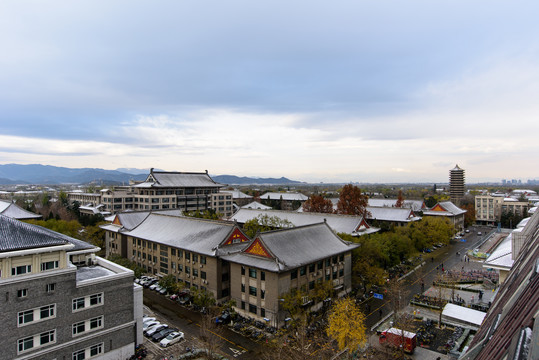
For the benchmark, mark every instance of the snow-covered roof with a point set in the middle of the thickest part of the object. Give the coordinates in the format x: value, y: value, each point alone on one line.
x: 463, y: 314
x: 285, y: 196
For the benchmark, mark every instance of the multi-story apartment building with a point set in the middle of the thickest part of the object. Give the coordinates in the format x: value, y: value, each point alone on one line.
x: 489, y: 209
x: 218, y: 257
x: 54, y: 309
x: 187, y: 191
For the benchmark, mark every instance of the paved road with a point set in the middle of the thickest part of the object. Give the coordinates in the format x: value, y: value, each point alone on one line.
x: 427, y: 273
x: 230, y: 343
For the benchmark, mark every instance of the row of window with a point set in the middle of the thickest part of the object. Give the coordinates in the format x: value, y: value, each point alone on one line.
x: 253, y: 309
x: 164, y: 252
x: 36, y: 314
x: 87, y: 325
x: 253, y: 291
x: 36, y: 341
x: 87, y: 302
x: 26, y: 269
x: 316, y: 266
x: 89, y: 352
x: 253, y: 273
x: 49, y: 288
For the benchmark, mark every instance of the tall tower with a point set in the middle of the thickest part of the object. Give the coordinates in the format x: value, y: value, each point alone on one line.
x: 456, y: 184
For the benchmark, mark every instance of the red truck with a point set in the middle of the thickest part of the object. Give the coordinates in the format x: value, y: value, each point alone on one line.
x: 394, y: 337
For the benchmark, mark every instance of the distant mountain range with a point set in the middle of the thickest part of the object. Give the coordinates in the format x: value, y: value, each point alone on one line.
x: 52, y: 175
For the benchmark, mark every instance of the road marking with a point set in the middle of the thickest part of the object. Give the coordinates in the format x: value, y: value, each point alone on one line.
x: 233, y: 343
x: 237, y: 352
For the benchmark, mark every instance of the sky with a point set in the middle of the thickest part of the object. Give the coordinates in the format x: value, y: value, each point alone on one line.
x: 316, y: 91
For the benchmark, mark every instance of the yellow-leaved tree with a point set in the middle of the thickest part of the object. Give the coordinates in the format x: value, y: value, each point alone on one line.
x: 346, y: 324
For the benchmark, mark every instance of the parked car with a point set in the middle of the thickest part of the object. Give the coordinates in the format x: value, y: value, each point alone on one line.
x: 148, y: 324
x: 163, y: 291
x: 160, y: 335
x: 467, y: 230
x: 479, y: 233
x: 153, y: 286
x: 149, y: 282
x: 147, y: 319
x: 152, y: 330
x: 172, y: 339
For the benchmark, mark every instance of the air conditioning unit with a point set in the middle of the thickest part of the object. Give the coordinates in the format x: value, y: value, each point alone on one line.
x: 201, y: 266
x: 187, y: 260
x: 188, y: 275
x: 328, y: 271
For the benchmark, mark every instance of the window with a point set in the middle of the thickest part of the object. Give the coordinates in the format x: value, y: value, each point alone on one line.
x: 320, y: 265
x: 22, y: 293
x: 262, y: 312
x: 49, y: 265
x: 252, y: 290
x: 50, y: 287
x: 172, y: 252
x: 47, y: 337
x: 187, y: 270
x: 262, y: 294
x: 341, y: 257
x: 294, y: 274
x: 96, y: 299
x: 195, y: 257
x: 202, y: 259
x: 26, y: 343
x: 96, y: 322
x: 252, y: 273
x: 312, y: 268
x: 188, y: 256
x: 243, y: 305
x: 79, y: 355
x: 242, y: 287
x: 96, y: 349
x: 341, y: 272
x: 328, y: 262
x: 302, y: 270
x: 203, y: 275
x: 26, y: 316
x: 311, y: 285
x: 21, y: 270
x: 47, y: 311
x: 195, y: 272
x: 252, y: 308
x: 78, y: 304
x: 78, y: 328
x: 263, y: 275
x: 243, y: 270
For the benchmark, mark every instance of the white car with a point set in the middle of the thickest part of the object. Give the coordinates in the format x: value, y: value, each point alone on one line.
x: 149, y: 324
x: 147, y: 318
x: 152, y: 287
x: 172, y: 338
x: 152, y: 330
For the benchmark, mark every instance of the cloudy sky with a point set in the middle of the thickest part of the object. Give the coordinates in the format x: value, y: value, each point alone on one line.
x: 367, y: 91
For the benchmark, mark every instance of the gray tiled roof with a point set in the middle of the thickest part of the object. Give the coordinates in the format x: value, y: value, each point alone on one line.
x: 295, y: 247
x: 285, y: 196
x: 390, y: 214
x: 415, y: 205
x: 451, y: 209
x: 16, y: 212
x: 339, y: 223
x: 179, y: 179
x: 193, y: 234
x: 17, y: 235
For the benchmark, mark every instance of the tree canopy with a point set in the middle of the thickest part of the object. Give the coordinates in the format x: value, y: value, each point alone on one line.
x: 317, y: 203
x: 264, y: 222
x: 352, y: 201
x: 346, y: 324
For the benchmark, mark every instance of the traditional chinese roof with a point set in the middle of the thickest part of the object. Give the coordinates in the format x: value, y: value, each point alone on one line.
x: 391, y: 214
x: 17, y: 235
x: 236, y: 194
x: 348, y: 224
x: 14, y: 211
x: 192, y: 234
x: 283, y: 250
x: 256, y: 205
x: 284, y: 196
x: 178, y: 179
x: 126, y: 221
x: 415, y: 205
x: 444, y: 208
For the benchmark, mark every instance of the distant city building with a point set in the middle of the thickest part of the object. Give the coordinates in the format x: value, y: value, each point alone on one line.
x: 60, y: 301
x: 456, y: 184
